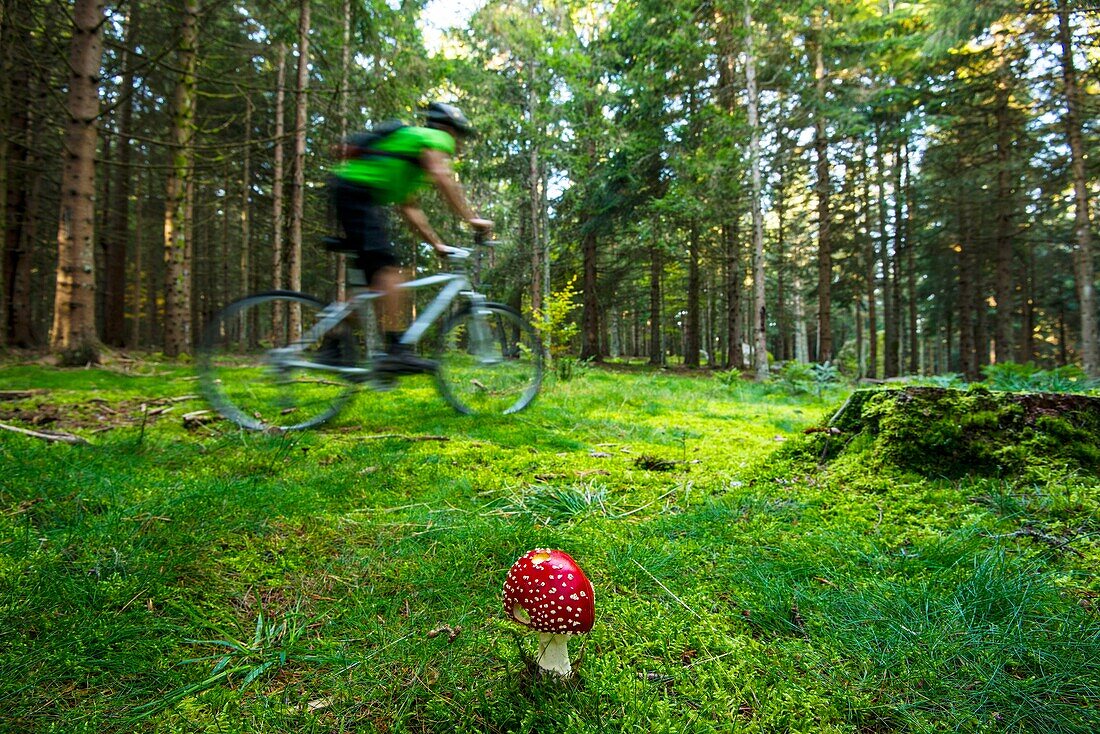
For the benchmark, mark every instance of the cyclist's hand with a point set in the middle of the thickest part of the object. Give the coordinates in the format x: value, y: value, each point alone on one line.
x: 481, y: 225
x: 443, y: 250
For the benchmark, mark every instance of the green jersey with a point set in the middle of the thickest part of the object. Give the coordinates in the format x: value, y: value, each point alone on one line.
x: 394, y: 178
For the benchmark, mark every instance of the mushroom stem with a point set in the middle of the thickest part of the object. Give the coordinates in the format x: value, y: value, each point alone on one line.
x: 554, y: 654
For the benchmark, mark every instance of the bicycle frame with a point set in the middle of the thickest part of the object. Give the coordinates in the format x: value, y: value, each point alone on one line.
x: 455, y: 284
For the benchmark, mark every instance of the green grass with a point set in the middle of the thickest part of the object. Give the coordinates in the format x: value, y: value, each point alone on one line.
x: 163, y: 579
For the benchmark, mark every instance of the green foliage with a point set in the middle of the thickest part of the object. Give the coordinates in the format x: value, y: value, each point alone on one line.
x: 557, y: 327
x: 951, y: 380
x: 952, y: 433
x: 1016, y: 377
x: 349, y: 579
x: 798, y: 378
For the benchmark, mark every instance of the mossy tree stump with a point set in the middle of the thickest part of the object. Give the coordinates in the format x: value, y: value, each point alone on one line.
x: 940, y: 432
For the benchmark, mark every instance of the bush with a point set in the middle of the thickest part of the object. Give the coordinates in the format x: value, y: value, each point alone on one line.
x: 556, y: 327
x: 798, y: 378
x: 1015, y: 377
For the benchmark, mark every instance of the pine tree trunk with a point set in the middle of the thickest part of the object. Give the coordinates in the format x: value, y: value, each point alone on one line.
x: 534, y: 179
x: 5, y: 97
x: 966, y: 264
x: 246, y: 221
x: 782, y: 353
x: 801, y: 337
x: 889, y: 339
x: 869, y: 276
x: 590, y: 343
x: 345, y: 80
x: 786, y: 336
x: 118, y: 227
x: 136, y: 305
x: 656, y: 349
x: 344, y: 94
x: 1026, y: 351
x: 732, y: 235
x: 590, y: 332
x: 1003, y: 279
x: 17, y: 261
x: 893, y: 346
x: 73, y: 332
x: 760, y: 310
x: 278, y: 176
x: 824, y: 217
x: 298, y: 181
x: 23, y: 287
x: 910, y: 267
x: 691, y: 327
x: 178, y: 225
x: 1082, y: 254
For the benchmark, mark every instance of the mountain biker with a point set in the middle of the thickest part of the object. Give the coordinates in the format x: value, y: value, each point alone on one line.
x: 388, y: 166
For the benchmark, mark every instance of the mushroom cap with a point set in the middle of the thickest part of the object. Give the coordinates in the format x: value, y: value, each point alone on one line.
x: 547, y: 591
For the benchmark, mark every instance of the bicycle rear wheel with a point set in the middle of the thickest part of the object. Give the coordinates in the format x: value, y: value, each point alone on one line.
x: 256, y: 372
x: 490, y: 360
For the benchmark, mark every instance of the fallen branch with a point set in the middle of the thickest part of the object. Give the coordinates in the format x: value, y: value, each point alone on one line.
x: 405, y: 437
x: 50, y: 436
x: 177, y: 399
x: 19, y: 394
x: 837, y: 415
x: 198, y: 418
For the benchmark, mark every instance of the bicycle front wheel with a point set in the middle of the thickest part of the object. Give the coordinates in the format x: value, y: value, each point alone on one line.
x: 490, y: 360
x: 256, y: 369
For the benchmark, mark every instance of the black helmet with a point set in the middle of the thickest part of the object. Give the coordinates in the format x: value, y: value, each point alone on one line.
x: 440, y: 113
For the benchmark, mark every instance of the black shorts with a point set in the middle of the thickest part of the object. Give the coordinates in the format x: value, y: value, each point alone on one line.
x: 366, y: 227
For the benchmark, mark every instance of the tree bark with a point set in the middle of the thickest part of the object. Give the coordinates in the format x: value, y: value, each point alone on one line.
x: 1026, y: 352
x: 910, y: 265
x: 345, y: 80
x: 889, y: 323
x: 118, y: 228
x: 692, y: 325
x: 178, y: 225
x: 732, y: 235
x: 760, y: 310
x: 19, y: 163
x: 278, y: 180
x: 1003, y: 278
x: 968, y: 290
x: 590, y: 332
x: 73, y: 332
x: 823, y: 190
x: 870, y: 276
x: 1083, y: 269
x: 801, y: 337
x: 894, y: 339
x: 5, y: 94
x: 590, y: 343
x: 298, y: 181
x: 139, y: 271
x: 534, y: 179
x: 656, y: 348
x: 245, y: 288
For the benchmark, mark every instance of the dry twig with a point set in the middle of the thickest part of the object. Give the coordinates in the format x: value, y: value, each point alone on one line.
x: 51, y: 436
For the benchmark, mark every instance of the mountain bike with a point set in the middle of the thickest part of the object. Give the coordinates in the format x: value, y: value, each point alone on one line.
x: 283, y: 360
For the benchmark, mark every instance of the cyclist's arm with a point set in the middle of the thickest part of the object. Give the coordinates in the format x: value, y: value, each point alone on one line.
x: 416, y: 218
x: 438, y: 167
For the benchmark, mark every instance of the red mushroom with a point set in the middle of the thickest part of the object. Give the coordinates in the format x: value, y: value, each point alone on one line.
x: 547, y: 591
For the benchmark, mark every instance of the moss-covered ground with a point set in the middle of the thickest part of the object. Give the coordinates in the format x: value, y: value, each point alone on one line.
x: 749, y: 578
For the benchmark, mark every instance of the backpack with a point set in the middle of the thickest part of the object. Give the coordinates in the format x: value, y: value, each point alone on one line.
x: 361, y: 145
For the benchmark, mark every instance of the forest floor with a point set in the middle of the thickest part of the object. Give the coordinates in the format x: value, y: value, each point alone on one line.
x: 172, y: 577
